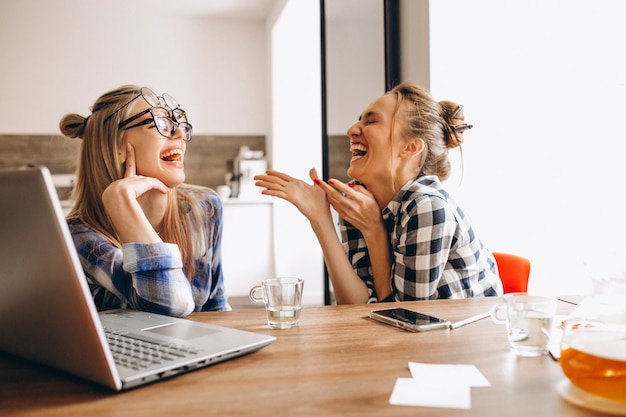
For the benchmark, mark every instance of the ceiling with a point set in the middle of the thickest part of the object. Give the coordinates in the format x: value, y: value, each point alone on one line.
x: 257, y: 9
x: 241, y: 9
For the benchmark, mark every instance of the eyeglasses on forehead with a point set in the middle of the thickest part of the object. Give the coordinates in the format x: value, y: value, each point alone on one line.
x: 163, y: 124
x: 153, y: 100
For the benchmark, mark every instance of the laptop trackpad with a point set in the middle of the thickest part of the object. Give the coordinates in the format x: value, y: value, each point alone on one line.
x: 179, y: 330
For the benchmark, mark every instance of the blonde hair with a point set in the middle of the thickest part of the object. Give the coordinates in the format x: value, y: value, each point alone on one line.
x: 99, y: 165
x: 438, y: 124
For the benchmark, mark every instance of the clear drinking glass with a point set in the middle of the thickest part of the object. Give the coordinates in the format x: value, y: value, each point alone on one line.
x: 283, y: 301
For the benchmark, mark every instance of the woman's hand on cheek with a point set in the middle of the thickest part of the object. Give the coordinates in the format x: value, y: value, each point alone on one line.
x: 126, y: 190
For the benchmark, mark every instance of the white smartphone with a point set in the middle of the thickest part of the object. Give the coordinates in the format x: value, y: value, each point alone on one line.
x: 409, y: 320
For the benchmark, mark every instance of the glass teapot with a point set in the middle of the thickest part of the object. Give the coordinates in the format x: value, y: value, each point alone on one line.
x: 593, y: 347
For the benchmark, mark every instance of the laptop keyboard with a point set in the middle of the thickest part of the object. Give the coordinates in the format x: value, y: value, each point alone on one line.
x: 140, y: 354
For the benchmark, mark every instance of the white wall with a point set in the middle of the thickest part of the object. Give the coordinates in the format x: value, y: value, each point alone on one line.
x: 544, y: 83
x: 296, y: 136
x: 59, y: 56
x: 355, y: 60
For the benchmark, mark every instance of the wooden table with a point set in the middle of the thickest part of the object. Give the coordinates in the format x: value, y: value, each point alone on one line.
x: 338, y: 362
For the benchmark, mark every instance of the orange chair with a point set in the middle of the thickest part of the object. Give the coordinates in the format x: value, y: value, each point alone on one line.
x: 514, y: 271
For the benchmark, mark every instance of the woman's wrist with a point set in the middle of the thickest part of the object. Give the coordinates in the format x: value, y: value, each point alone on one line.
x: 376, y: 231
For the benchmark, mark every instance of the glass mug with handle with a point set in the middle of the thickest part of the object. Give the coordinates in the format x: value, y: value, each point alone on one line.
x: 283, y: 301
x: 528, y: 320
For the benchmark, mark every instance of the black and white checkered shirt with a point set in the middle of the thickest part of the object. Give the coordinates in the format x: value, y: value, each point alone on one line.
x: 435, y: 253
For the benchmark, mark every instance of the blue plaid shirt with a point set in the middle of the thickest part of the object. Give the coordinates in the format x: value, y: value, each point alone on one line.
x: 434, y: 250
x: 149, y: 276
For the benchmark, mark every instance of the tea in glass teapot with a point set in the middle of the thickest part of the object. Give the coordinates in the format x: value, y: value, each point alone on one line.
x: 593, y: 346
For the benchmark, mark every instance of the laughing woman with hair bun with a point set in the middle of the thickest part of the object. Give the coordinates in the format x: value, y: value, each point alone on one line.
x: 403, y: 236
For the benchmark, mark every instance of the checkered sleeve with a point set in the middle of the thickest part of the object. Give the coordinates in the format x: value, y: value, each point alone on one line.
x: 139, y: 276
x: 435, y: 252
x: 356, y: 250
x: 423, y: 235
x: 159, y: 283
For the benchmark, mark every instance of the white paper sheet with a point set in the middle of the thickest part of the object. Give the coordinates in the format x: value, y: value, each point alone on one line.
x: 442, y: 374
x: 411, y: 391
x: 438, y: 385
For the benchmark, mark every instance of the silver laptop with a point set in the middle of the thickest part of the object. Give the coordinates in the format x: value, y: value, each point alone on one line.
x: 47, y: 314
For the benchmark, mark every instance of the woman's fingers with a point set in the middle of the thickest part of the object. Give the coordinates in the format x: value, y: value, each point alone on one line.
x: 309, y: 199
x: 131, y: 167
x: 138, y: 183
x: 143, y: 184
x: 313, y: 175
x: 338, y: 191
x: 278, y: 175
x: 354, y: 203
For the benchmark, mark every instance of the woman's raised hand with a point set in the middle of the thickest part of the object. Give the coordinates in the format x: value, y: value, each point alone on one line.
x: 354, y: 203
x: 309, y: 199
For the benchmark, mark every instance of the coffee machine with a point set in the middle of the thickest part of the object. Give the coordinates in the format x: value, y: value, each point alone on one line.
x: 246, y: 166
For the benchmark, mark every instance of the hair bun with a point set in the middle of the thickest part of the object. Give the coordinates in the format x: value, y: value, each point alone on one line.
x: 73, y: 125
x: 454, y: 118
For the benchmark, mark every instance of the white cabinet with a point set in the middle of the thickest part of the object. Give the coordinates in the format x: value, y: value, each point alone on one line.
x: 247, y: 244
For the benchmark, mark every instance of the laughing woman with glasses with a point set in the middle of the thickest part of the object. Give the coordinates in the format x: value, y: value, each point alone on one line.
x: 146, y: 240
